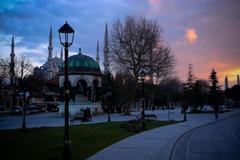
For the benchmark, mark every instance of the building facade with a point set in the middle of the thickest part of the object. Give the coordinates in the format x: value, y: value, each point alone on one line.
x: 50, y: 69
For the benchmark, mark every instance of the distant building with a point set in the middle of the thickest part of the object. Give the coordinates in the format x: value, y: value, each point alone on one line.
x: 85, y: 79
x: 84, y: 75
x: 12, y: 63
x: 226, y: 83
x: 8, y: 95
x: 238, y: 81
x: 106, y: 51
x: 50, y: 69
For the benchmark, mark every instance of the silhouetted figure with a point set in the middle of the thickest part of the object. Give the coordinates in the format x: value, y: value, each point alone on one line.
x: 216, y: 110
x: 184, y: 110
x: 89, y: 115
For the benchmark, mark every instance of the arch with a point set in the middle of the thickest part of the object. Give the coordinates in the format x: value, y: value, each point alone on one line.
x: 79, y: 79
x: 95, y: 82
x: 81, y: 87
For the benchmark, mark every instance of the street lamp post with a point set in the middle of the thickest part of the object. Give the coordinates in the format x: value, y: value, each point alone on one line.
x: 24, y: 109
x: 109, y: 95
x: 184, y: 102
x: 142, y: 78
x: 24, y: 97
x: 185, y: 112
x: 66, y: 33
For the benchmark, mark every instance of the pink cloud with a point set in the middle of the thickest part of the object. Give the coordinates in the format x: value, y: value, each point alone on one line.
x: 153, y: 1
x: 191, y: 35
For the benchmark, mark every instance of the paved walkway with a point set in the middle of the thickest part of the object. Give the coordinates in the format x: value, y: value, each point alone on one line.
x: 156, y: 144
x: 219, y: 140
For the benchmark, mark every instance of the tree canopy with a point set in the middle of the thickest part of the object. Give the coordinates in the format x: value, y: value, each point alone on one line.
x: 137, y: 44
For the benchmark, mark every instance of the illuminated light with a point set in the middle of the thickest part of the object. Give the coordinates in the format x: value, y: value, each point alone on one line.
x: 191, y: 35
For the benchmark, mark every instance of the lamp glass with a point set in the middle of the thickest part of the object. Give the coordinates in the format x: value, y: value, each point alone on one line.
x: 66, y: 35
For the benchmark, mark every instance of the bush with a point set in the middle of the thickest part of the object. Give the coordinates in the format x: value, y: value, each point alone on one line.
x: 132, y: 126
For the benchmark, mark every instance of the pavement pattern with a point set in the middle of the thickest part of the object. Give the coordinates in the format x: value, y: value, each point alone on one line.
x: 216, y: 141
x: 158, y: 144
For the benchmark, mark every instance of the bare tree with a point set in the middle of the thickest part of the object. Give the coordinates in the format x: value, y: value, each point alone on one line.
x: 23, y: 67
x: 137, y: 44
x: 4, y: 69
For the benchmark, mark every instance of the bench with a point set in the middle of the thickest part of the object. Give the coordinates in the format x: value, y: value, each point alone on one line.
x: 81, y: 119
x: 148, y: 116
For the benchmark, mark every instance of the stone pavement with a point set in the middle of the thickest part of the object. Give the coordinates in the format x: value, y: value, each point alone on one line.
x: 54, y: 119
x: 156, y: 144
x: 219, y: 140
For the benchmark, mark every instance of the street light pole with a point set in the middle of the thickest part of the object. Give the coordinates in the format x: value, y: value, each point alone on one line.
x: 185, y: 113
x: 67, y: 141
x: 142, y: 78
x: 24, y: 112
x: 109, y: 95
x: 143, y: 107
x: 109, y: 117
x: 24, y: 95
x: 184, y: 102
x: 64, y: 32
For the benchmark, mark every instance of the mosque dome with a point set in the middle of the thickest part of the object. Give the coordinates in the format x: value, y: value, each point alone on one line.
x: 81, y: 64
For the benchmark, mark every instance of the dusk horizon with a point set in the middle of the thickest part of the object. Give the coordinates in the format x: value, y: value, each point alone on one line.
x: 202, y: 33
x: 119, y: 79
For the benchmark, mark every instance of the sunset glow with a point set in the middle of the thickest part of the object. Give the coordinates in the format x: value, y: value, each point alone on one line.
x: 198, y: 32
x: 231, y: 74
x: 191, y: 35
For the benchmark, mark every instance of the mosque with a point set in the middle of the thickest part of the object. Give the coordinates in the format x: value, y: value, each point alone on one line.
x: 226, y: 82
x: 85, y: 76
x: 50, y: 68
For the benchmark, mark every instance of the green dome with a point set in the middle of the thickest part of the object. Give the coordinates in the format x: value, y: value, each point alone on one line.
x: 81, y: 64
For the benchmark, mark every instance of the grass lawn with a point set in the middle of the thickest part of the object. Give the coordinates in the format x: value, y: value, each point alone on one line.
x: 46, y: 143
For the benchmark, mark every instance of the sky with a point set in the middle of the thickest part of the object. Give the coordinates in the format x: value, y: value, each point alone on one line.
x: 203, y: 32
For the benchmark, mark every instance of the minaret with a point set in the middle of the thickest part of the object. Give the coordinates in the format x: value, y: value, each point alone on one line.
x: 50, y: 49
x: 97, y: 57
x: 12, y: 63
x: 79, y: 51
x: 226, y: 83
x: 61, y: 56
x: 238, y: 81
x: 50, y: 46
x: 106, y: 51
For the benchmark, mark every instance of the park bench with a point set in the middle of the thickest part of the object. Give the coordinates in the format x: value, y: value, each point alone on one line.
x: 148, y: 116
x: 78, y: 118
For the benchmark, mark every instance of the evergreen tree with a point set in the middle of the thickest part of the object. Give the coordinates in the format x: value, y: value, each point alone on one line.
x: 191, y: 78
x: 200, y: 94
x: 214, y: 88
x: 215, y: 96
x: 189, y: 87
